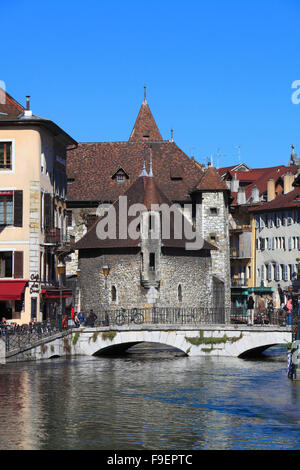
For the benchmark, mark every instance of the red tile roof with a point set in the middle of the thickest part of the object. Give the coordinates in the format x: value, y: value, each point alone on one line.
x: 145, y: 191
x: 92, y: 164
x: 145, y: 127
x: 9, y: 107
x: 211, y: 181
x: 282, y: 201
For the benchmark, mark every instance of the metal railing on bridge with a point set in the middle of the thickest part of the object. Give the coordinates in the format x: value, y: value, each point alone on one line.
x: 160, y: 316
x: 21, y: 336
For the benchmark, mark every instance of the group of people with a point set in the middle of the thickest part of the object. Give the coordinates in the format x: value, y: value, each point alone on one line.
x: 266, y: 307
x: 83, y: 319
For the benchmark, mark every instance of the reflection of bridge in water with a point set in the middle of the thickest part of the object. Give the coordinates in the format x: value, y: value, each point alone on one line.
x: 194, y: 332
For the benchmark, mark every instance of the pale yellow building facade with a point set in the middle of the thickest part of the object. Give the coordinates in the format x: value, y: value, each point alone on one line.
x: 33, y: 224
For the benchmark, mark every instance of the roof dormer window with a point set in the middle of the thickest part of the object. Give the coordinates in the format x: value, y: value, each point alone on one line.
x: 120, y: 176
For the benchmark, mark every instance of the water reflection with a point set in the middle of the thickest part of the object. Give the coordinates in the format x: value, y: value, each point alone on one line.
x: 156, y: 402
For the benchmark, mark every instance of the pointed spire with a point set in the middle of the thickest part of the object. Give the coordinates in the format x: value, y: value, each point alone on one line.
x: 144, y: 172
x: 145, y: 128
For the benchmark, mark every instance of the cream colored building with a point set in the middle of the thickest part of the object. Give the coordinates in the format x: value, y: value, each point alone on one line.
x: 32, y: 211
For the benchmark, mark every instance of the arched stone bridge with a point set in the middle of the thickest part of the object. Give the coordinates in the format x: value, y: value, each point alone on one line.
x: 210, y: 340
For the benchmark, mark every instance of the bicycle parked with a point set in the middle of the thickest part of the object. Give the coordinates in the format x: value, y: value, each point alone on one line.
x: 132, y: 315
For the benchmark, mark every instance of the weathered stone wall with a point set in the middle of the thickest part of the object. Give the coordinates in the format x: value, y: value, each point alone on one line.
x: 212, y: 221
x: 78, y: 229
x: 192, y: 272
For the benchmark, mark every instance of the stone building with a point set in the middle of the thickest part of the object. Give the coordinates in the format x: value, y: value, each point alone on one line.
x: 101, y: 172
x: 162, y: 265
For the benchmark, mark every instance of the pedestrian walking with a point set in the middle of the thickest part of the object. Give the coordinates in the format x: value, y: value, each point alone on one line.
x: 288, y: 308
x: 81, y: 317
x: 250, y: 310
x: 270, y: 309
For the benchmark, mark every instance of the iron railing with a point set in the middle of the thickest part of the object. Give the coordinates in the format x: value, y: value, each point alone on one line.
x: 160, y: 315
x: 21, y: 336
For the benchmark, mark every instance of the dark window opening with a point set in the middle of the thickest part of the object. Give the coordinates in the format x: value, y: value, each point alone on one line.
x: 179, y: 293
x: 6, y: 263
x: 152, y: 261
x: 213, y: 211
x: 113, y: 294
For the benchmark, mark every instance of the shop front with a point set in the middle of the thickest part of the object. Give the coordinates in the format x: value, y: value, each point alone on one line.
x: 12, y: 298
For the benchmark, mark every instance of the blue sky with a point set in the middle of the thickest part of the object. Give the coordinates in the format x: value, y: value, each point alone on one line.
x: 218, y: 72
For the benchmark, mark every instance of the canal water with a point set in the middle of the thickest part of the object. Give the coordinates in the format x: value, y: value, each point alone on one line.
x: 150, y: 401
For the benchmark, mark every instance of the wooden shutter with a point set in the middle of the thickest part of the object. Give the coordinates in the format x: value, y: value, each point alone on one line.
x: 18, y: 208
x: 48, y: 211
x: 18, y: 264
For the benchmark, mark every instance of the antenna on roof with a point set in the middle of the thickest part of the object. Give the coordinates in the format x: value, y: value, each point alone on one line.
x: 239, y: 152
x: 145, y: 100
x: 172, y: 140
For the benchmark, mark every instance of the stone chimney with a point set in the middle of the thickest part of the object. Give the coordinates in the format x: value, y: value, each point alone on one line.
x: 288, y: 180
x: 241, y: 196
x: 271, y: 190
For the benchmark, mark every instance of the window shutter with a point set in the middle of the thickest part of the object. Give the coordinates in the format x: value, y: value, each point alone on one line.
x: 269, y: 272
x: 18, y: 264
x: 262, y: 272
x: 277, y: 272
x: 273, y: 243
x: 47, y: 211
x: 269, y: 243
x: 278, y: 218
x: 18, y: 208
x: 285, y: 272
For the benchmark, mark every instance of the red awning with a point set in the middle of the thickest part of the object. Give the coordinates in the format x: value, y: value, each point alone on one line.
x: 54, y: 293
x: 12, y: 290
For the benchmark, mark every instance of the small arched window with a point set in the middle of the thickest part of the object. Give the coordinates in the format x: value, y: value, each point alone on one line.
x: 179, y: 293
x: 113, y: 294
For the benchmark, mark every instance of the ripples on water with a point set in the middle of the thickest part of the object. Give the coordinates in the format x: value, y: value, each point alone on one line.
x: 150, y: 402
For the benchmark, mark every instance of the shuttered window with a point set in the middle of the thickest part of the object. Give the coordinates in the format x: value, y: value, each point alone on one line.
x: 6, y: 266
x: 48, y: 211
x: 18, y: 264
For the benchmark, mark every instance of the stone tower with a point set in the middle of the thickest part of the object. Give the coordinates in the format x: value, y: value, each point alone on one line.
x: 210, y: 213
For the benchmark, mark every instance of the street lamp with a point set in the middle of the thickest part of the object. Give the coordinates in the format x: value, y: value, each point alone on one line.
x: 61, y: 269
x: 105, y: 270
x: 78, y: 273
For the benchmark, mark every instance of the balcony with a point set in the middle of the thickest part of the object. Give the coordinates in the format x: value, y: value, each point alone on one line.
x: 239, y: 254
x: 54, y: 236
x: 239, y: 282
